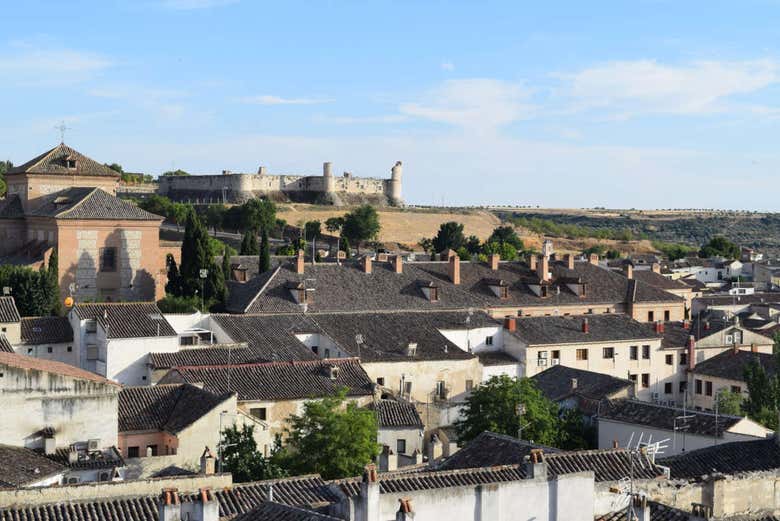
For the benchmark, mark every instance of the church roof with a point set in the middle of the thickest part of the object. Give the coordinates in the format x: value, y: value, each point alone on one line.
x: 90, y: 203
x: 55, y: 162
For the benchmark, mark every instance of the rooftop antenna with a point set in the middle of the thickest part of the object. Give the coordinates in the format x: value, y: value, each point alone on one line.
x: 359, y: 342
x: 62, y: 128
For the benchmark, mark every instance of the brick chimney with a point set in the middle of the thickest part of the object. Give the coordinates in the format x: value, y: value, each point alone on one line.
x: 691, y: 353
x: 532, y: 262
x: 543, y: 269
x: 405, y: 511
x: 629, y: 270
x: 510, y: 324
x: 369, y: 494
x: 493, y: 259
x: 535, y: 466
x: 659, y: 327
x: 753, y: 347
x: 169, y: 508
x: 367, y: 264
x: 585, y: 325
x: 299, y: 264
x: 593, y: 258
x: 569, y: 258
x: 398, y: 264
x: 656, y: 268
x: 454, y: 269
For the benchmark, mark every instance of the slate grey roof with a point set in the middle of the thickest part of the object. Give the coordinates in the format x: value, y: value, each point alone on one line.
x: 106, y: 459
x: 728, y: 458
x: 493, y: 358
x: 215, y: 354
x: 170, y: 408
x: 663, y: 417
x: 556, y: 383
x: 46, y: 330
x: 173, y: 470
x: 277, y: 512
x: 490, y: 449
x: 5, y: 345
x: 392, y: 414
x: 728, y: 300
x: 127, y: 319
x: 89, y: 204
x: 731, y: 365
x: 29, y: 363
x: 657, y: 280
x: 8, y: 312
x: 608, y: 327
x: 658, y: 512
x: 11, y: 207
x: 279, y: 380
x: 20, y: 467
x: 269, y: 338
x: 53, y: 162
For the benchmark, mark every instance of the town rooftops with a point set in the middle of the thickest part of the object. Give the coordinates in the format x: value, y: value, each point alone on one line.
x: 560, y: 382
x: 279, y: 380
x: 46, y: 330
x: 768, y: 297
x: 108, y: 458
x: 736, y: 457
x: 126, y: 319
x: 215, y: 354
x: 489, y: 449
x: 663, y: 417
x: 608, y: 327
x: 731, y: 364
x: 63, y: 160
x: 657, y: 280
x: 29, y: 363
x: 272, y: 511
x: 169, y: 408
x: 396, y: 414
x: 89, y: 204
x: 661, y: 512
x: 8, y: 312
x: 20, y: 467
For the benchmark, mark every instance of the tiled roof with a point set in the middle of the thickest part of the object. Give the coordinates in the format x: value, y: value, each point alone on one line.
x: 556, y: 383
x: 392, y: 413
x: 493, y: 358
x: 277, y: 512
x: 8, y: 311
x: 90, y: 203
x: 54, y: 162
x: 173, y: 470
x: 657, y: 280
x: 728, y: 458
x: 663, y: 417
x: 658, y: 512
x: 11, y: 208
x: 46, y: 330
x: 105, y: 459
x: 306, y: 491
x: 5, y: 345
x: 215, y: 354
x: 169, y: 408
x: 490, y: 449
x: 270, y: 338
x: 20, y: 466
x: 731, y: 365
x: 279, y: 380
x: 606, y: 327
x: 728, y: 300
x: 28, y: 363
x: 127, y: 319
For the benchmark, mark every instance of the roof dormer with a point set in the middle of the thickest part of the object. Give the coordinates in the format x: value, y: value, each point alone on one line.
x: 430, y: 290
x: 499, y: 287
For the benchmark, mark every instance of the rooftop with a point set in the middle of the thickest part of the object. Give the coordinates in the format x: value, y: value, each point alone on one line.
x: 731, y: 365
x: 90, y: 203
x: 54, y: 162
x: 5, y: 345
x: 272, y: 511
x: 20, y: 467
x: 29, y: 363
x: 46, y: 330
x: 392, y: 413
x: 608, y: 327
x: 728, y: 458
x: 8, y: 312
x: 556, y: 383
x: 126, y: 319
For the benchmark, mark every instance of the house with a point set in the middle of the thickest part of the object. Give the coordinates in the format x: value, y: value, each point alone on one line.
x: 611, y: 344
x: 50, y: 338
x: 114, y: 339
x: 733, y: 303
x: 21, y: 467
x: 725, y: 371
x: 732, y: 458
x: 272, y: 392
x: 171, y: 424
x: 10, y: 321
x: 65, y: 200
x: 654, y: 278
x: 766, y: 275
x: 632, y: 422
x: 573, y: 388
x: 400, y: 430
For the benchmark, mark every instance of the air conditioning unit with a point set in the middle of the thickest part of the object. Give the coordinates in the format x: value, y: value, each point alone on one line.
x: 541, y: 362
x: 555, y: 361
x: 93, y: 445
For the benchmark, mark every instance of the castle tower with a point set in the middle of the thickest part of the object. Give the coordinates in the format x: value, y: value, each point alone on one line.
x: 330, y: 183
x: 395, y: 183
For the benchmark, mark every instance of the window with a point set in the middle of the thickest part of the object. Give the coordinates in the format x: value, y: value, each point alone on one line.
x: 92, y: 352
x: 187, y: 341
x: 408, y: 388
x: 469, y: 385
x: 683, y: 358
x: 708, y: 388
x: 29, y: 350
x: 488, y: 340
x: 650, y: 316
x: 49, y: 349
x: 151, y: 450
x: 91, y: 326
x: 441, y: 391
x: 668, y: 389
x: 5, y: 329
x: 380, y: 381
x: 736, y: 389
x: 667, y: 315
x: 556, y: 355
x: 698, y: 386
x: 400, y: 446
x: 132, y: 452
x: 315, y: 349
x: 327, y: 352
x: 608, y: 352
x: 645, y: 352
x: 645, y: 380
x: 633, y: 352
x: 73, y: 480
x: 70, y: 349
x: 104, y: 476
x: 582, y: 354
x: 669, y: 359
x: 258, y: 412
x: 632, y: 377
x: 107, y: 259
x: 683, y: 386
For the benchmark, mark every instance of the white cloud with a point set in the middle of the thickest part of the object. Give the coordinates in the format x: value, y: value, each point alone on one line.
x: 628, y: 88
x: 188, y: 5
x: 478, y: 105
x: 28, y: 64
x: 448, y: 66
x: 360, y: 120
x: 266, y: 99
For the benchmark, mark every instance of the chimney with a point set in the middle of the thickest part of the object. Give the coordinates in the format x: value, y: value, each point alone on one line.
x: 510, y: 324
x: 417, y: 456
x: 207, y: 462
x: 493, y: 259
x: 543, y: 268
x: 691, y: 353
x: 573, y: 384
x: 204, y: 508
x: 535, y: 466
x: 641, y: 508
x: 405, y: 512
x: 367, y: 264
x: 686, y: 324
x: 49, y: 444
x: 569, y: 258
x: 753, y: 348
x: 659, y: 327
x: 706, y: 325
x: 585, y: 325
x: 532, y: 262
x: 629, y: 270
x: 369, y: 495
x: 299, y: 264
x: 398, y: 264
x: 454, y: 270
x: 615, y: 444
x: 388, y: 460
x: 656, y: 268
x: 435, y: 449
x: 593, y: 258
x: 169, y: 508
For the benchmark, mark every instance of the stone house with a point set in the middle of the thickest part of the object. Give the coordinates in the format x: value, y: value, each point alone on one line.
x: 400, y: 431
x: 66, y: 200
x: 50, y: 338
x: 725, y: 372
x: 21, y: 467
x: 579, y: 389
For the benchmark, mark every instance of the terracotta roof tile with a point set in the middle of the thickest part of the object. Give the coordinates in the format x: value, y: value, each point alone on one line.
x: 90, y: 203
x: 127, y: 319
x: 169, y: 408
x: 54, y: 162
x: 8, y: 312
x: 392, y: 413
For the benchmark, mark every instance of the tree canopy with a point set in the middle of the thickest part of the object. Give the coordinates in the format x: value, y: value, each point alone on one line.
x: 361, y: 224
x: 36, y: 293
x: 197, y: 254
x: 241, y: 458
x: 449, y: 237
x: 720, y: 247
x: 506, y: 235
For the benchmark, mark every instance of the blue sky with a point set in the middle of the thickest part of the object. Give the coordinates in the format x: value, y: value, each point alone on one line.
x: 647, y: 104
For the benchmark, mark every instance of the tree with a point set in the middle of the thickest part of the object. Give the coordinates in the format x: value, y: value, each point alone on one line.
x: 449, y: 237
x: 426, y: 243
x: 53, y: 282
x: 215, y: 214
x: 493, y: 406
x: 177, y: 172
x: 506, y: 235
x: 116, y: 167
x: 361, y: 224
x: 173, y: 286
x: 179, y: 213
x: 265, y: 252
x: 761, y: 404
x: 473, y: 244
x: 330, y: 438
x: 729, y: 402
x: 31, y: 289
x: 613, y: 254
x: 334, y: 224
x: 196, y: 255
x: 5, y: 166
x: 312, y: 230
x: 241, y: 458
x: 598, y: 249
x: 574, y: 432
x: 719, y: 247
x: 226, y: 271
x: 505, y: 250
x: 249, y: 243
x: 258, y: 214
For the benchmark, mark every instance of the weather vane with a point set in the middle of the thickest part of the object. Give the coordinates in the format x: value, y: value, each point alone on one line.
x: 62, y: 128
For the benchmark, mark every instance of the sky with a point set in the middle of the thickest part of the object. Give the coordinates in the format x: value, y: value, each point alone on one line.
x: 619, y: 104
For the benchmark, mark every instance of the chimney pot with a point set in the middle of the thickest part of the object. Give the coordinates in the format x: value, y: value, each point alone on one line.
x: 660, y: 327
x: 532, y: 262
x: 656, y: 268
x: 569, y: 258
x: 510, y: 323
x: 454, y: 269
x: 593, y: 258
x: 398, y: 264
x: 629, y: 269
x: 367, y: 266
x: 573, y: 383
x: 299, y: 264
x: 753, y: 348
x: 691, y: 352
x: 543, y: 269
x: 585, y: 325
x: 494, y: 260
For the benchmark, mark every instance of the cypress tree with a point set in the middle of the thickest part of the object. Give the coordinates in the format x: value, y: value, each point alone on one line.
x: 249, y: 243
x: 194, y: 256
x: 173, y: 286
x: 226, y: 264
x: 265, y: 252
x: 53, y: 277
